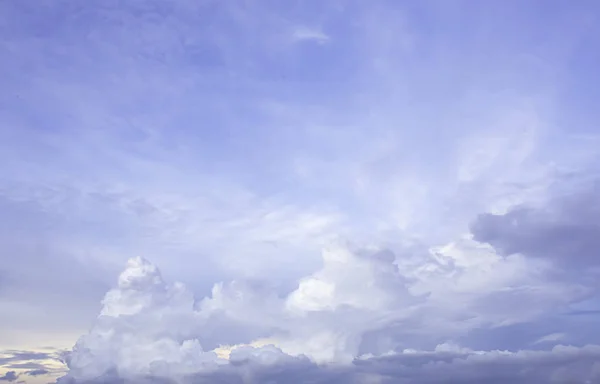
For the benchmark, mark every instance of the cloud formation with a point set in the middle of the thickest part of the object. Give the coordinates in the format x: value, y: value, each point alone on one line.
x: 336, y: 191
x: 46, y: 364
x: 151, y: 330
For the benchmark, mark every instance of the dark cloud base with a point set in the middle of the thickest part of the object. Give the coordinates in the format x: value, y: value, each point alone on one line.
x: 562, y: 364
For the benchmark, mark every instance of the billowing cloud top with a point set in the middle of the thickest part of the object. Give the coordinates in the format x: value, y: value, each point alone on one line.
x: 335, y: 326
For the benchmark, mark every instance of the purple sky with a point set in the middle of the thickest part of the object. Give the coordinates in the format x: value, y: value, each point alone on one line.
x: 347, y: 191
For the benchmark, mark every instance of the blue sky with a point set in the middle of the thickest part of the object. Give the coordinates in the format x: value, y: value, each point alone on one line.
x: 230, y: 143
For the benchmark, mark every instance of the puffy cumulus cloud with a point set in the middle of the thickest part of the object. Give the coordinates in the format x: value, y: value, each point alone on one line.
x: 144, y: 327
x: 371, y: 300
x: 349, y: 279
x: 365, y: 316
x: 355, y: 291
x: 149, y: 326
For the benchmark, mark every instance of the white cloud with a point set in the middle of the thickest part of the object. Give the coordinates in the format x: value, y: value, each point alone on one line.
x: 310, y: 34
x: 146, y: 327
x: 149, y: 327
x: 551, y: 338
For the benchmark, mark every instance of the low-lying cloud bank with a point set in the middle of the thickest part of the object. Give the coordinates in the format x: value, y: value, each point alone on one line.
x: 19, y: 365
x: 343, y: 324
x: 562, y: 364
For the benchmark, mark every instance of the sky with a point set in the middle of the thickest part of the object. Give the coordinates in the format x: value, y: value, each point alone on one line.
x: 302, y: 191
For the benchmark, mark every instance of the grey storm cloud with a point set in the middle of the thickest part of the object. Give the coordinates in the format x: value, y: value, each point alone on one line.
x: 565, y: 231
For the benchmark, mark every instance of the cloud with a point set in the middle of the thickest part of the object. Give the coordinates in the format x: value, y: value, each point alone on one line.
x: 552, y: 338
x: 564, y: 230
x: 27, y: 366
x: 310, y: 34
x: 562, y: 364
x: 144, y: 316
x: 46, y: 365
x: 153, y: 329
x: 11, y: 356
x: 141, y: 319
x: 37, y: 372
x: 9, y: 376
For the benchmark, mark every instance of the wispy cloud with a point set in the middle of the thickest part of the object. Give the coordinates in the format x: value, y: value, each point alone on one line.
x: 552, y: 338
x: 310, y: 34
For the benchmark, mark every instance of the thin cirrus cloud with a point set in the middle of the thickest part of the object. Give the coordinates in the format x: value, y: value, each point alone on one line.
x: 359, y: 192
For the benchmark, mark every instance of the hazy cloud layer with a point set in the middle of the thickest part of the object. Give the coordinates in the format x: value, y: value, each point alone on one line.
x: 18, y: 364
x: 561, y: 365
